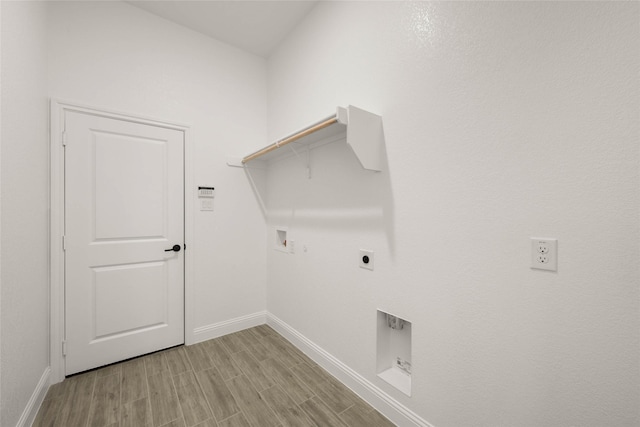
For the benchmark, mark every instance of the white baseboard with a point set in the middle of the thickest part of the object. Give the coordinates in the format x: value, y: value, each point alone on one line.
x: 37, y: 397
x: 376, y: 397
x: 216, y: 330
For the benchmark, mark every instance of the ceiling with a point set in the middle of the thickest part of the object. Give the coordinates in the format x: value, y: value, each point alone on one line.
x: 254, y: 26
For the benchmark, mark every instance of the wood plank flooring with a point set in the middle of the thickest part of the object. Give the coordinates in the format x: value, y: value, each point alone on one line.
x: 251, y: 378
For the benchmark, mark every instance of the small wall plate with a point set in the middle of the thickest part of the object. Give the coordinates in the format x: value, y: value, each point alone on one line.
x: 205, y: 192
x: 366, y: 259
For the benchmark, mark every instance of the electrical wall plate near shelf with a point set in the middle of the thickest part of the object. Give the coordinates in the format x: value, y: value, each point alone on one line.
x: 361, y: 129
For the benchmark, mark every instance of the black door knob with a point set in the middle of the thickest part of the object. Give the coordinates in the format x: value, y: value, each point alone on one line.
x: 175, y: 248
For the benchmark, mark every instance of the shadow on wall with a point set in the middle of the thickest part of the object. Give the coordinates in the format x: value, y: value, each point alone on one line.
x: 324, y: 188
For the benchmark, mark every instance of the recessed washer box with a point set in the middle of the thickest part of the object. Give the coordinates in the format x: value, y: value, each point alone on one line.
x: 281, y: 239
x: 394, y: 351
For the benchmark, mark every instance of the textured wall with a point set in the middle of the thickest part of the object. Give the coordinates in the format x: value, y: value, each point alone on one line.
x: 502, y: 121
x: 24, y: 354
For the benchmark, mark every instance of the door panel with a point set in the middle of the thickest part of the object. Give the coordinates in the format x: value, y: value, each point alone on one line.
x: 147, y: 196
x: 139, y: 290
x: 124, y: 205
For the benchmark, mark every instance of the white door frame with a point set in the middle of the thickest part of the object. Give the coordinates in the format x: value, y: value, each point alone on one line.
x: 57, y: 215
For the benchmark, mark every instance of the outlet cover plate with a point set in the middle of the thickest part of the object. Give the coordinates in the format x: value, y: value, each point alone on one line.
x: 366, y: 255
x: 544, y: 254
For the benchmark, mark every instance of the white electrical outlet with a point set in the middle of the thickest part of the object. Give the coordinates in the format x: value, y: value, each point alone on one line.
x: 544, y: 254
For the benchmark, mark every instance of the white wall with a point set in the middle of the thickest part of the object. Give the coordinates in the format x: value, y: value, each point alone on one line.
x: 116, y: 56
x: 24, y: 354
x: 502, y: 121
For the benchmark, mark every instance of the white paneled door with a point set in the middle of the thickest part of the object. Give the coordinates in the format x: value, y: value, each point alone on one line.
x: 124, y: 239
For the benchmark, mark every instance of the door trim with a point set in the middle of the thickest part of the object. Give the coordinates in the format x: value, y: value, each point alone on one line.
x: 57, y: 214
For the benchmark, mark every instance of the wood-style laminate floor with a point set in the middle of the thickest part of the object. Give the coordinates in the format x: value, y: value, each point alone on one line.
x: 251, y: 378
